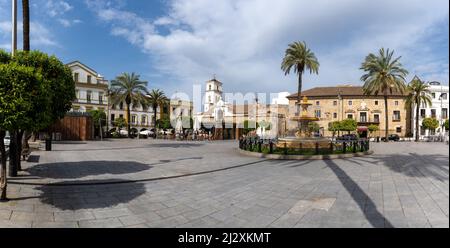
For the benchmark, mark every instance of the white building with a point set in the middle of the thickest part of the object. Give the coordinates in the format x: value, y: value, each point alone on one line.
x: 438, y: 110
x: 91, y: 88
x: 213, y: 94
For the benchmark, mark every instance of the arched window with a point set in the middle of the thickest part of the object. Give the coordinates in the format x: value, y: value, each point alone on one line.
x: 144, y: 120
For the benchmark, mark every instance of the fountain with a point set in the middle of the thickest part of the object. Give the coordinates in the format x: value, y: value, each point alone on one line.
x: 303, y: 138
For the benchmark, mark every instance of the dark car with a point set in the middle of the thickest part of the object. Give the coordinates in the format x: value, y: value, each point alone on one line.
x: 348, y: 137
x: 393, y: 137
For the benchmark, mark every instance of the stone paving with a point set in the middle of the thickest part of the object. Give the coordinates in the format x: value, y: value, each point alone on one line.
x: 401, y: 185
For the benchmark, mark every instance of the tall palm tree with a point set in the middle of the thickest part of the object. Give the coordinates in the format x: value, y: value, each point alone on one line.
x: 418, y: 95
x: 157, y: 98
x: 26, y: 25
x: 300, y: 58
x: 130, y: 89
x: 384, y: 75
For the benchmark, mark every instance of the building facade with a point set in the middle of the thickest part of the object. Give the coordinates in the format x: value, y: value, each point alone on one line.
x: 439, y: 95
x: 91, y: 88
x: 227, y: 120
x: 330, y: 104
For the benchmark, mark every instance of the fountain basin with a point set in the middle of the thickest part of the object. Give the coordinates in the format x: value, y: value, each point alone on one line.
x: 304, y: 143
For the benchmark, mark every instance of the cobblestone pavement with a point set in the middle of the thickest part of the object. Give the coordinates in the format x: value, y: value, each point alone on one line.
x: 401, y: 185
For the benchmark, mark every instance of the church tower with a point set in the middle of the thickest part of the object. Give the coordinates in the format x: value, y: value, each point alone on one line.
x: 213, y: 93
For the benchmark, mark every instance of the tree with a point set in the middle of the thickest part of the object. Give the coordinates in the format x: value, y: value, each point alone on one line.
x: 334, y: 127
x: 418, y: 96
x: 120, y: 123
x: 61, y: 91
x: 249, y: 126
x: 348, y: 125
x: 99, y: 119
x: 446, y: 125
x: 24, y: 104
x: 164, y: 123
x: 313, y: 127
x: 130, y: 89
x: 430, y: 123
x: 300, y: 58
x: 373, y: 128
x: 26, y: 25
x: 157, y: 98
x: 384, y: 75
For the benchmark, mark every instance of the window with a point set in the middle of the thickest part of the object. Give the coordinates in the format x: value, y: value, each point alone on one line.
x: 433, y: 95
x: 100, y: 98
x: 335, y: 115
x: 334, y: 103
x: 77, y: 95
x: 399, y: 129
x: 121, y: 105
x: 89, y: 79
x: 88, y: 96
x: 433, y: 113
x: 121, y: 116
x: 210, y: 87
x: 444, y: 114
x: 113, y: 117
x: 143, y: 120
x: 76, y: 76
x: 317, y: 113
x: 376, y: 118
x: 444, y: 96
x: 317, y: 103
x: 363, y: 117
x: 209, y: 99
x: 350, y: 103
x: 396, y: 116
x: 376, y: 103
x: 396, y: 103
x: 349, y: 116
x: 422, y: 113
x: 134, y: 119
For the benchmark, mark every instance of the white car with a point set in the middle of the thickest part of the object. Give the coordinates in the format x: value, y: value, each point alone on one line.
x: 7, y: 140
x: 124, y: 132
x: 147, y: 132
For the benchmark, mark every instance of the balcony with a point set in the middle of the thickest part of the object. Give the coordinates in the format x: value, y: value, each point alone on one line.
x: 368, y: 121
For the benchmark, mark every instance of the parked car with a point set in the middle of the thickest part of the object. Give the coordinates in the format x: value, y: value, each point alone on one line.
x: 393, y: 137
x: 147, y: 133
x: 348, y: 137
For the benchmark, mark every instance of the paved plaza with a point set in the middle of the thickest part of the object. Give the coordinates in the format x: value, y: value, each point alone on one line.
x: 160, y: 183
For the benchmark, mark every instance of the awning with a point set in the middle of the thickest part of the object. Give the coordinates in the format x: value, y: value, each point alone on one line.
x: 362, y: 129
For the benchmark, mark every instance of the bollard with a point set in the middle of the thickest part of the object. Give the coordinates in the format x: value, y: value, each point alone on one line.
x: 271, y: 147
x: 317, y: 148
x: 259, y: 146
x: 285, y: 148
x: 331, y: 147
x: 354, y: 146
x: 344, y: 147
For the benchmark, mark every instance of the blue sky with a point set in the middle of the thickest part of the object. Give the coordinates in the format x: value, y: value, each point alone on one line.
x: 176, y: 43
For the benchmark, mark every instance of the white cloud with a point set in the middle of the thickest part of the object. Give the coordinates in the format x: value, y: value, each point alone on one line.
x: 57, y: 7
x: 243, y: 41
x: 39, y: 35
x: 68, y: 23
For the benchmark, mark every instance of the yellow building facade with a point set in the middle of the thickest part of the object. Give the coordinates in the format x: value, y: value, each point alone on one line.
x: 330, y: 104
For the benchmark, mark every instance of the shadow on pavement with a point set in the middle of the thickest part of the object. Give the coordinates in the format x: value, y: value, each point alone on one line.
x: 72, y: 170
x: 95, y: 195
x: 375, y: 218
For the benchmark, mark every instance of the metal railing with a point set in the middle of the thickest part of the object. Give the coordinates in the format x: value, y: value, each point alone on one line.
x: 273, y: 146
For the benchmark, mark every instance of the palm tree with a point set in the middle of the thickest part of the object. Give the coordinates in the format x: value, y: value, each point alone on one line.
x: 129, y: 89
x: 384, y: 75
x: 418, y: 95
x: 26, y: 25
x: 157, y: 98
x: 299, y: 57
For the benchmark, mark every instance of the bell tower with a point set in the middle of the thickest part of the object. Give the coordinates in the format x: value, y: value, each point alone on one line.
x: 213, y: 93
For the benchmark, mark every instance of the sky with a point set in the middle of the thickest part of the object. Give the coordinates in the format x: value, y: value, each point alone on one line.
x: 174, y: 44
